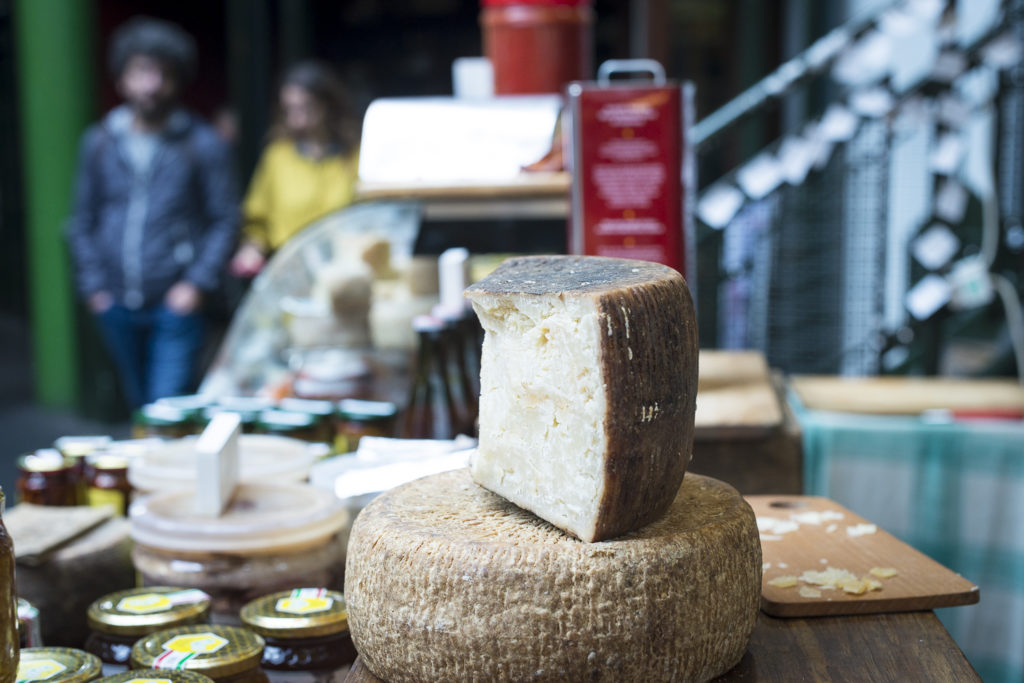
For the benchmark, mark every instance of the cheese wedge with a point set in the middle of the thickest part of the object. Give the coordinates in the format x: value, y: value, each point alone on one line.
x: 588, y: 389
x: 446, y: 581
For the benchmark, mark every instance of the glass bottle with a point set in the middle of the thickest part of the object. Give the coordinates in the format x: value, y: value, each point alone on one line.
x: 465, y: 394
x: 430, y: 412
x: 8, y: 604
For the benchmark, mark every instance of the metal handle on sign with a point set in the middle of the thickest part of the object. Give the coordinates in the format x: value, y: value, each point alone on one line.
x: 625, y: 66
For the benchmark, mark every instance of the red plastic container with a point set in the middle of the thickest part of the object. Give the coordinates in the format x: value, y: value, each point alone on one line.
x: 537, y: 46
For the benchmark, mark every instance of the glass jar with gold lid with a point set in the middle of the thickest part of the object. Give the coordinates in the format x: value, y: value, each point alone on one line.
x: 227, y: 654
x: 306, y: 630
x: 156, y: 676
x: 57, y: 665
x: 118, y: 620
x: 45, y: 478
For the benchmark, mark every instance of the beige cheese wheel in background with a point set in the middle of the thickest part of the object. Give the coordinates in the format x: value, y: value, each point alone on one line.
x: 446, y: 581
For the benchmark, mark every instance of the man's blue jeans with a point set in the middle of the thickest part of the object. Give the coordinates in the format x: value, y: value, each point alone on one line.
x: 155, y: 350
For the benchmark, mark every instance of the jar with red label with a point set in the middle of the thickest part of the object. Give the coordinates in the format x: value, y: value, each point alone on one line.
x: 306, y: 634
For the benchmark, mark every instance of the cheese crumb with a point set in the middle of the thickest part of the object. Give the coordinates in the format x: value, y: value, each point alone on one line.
x: 854, y: 587
x: 783, y: 582
x: 774, y: 525
x: 860, y: 530
x: 830, y: 577
x: 872, y: 583
x: 883, y: 572
x: 808, y: 592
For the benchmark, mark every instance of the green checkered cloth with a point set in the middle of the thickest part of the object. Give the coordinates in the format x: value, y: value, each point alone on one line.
x: 952, y: 489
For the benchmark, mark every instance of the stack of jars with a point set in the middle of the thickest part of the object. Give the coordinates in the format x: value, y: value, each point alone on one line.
x: 80, y: 471
x: 337, y: 423
x: 162, y: 633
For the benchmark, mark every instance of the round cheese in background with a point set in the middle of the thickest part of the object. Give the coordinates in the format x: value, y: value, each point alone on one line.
x: 448, y: 581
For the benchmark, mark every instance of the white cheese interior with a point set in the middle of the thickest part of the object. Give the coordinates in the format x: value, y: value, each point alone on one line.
x: 542, y: 407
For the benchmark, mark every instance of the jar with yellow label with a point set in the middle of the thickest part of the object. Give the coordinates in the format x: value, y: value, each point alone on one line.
x: 227, y: 654
x: 118, y: 620
x: 156, y: 676
x: 107, y: 482
x: 306, y: 630
x: 57, y: 665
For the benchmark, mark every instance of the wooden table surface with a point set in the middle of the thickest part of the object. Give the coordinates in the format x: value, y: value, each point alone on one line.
x: 909, y: 646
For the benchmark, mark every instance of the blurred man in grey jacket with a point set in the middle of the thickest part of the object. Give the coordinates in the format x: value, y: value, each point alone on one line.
x: 155, y: 214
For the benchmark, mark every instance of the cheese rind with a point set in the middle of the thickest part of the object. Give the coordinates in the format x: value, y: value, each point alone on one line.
x: 448, y: 581
x: 588, y: 389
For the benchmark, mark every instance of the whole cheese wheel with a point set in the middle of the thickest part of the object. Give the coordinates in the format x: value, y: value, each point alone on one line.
x: 588, y: 389
x: 446, y: 581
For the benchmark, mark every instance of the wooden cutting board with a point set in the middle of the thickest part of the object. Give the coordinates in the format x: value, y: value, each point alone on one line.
x: 735, y: 396
x: 907, y: 395
x: 801, y: 533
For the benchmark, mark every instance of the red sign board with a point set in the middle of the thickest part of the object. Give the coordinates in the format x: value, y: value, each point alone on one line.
x: 629, y: 154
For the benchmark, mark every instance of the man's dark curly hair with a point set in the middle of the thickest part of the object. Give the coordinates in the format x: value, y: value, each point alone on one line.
x: 156, y: 38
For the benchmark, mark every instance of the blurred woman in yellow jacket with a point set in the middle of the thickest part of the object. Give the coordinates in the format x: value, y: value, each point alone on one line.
x: 308, y: 169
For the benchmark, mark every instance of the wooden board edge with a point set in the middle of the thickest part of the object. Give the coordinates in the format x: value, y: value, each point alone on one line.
x: 879, y: 606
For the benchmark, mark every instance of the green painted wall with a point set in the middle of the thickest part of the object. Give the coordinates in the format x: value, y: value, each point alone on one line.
x: 56, y: 97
